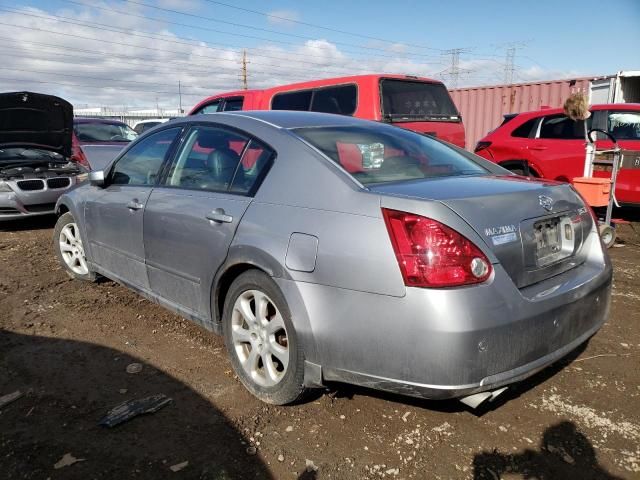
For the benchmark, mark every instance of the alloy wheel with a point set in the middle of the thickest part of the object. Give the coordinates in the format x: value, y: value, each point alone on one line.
x: 72, y: 249
x: 260, y: 338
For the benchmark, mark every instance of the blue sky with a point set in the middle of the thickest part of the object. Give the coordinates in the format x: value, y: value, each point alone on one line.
x: 553, y: 39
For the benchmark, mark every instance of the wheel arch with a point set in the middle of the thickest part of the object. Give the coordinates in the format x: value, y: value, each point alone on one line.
x: 239, y: 260
x: 243, y: 258
x: 523, y: 164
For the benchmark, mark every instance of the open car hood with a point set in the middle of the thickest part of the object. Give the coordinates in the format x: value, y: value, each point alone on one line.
x: 35, y: 120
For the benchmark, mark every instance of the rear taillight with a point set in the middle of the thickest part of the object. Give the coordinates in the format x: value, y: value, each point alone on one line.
x: 481, y: 146
x: 431, y: 254
x: 78, y: 156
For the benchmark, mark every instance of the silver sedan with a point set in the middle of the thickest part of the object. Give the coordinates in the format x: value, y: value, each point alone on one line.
x: 327, y: 248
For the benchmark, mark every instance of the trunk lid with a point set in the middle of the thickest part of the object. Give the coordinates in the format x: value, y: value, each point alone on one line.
x: 535, y: 229
x: 34, y: 120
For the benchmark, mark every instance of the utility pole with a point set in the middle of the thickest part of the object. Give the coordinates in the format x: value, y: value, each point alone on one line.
x: 180, y: 96
x: 454, y: 68
x: 245, y: 84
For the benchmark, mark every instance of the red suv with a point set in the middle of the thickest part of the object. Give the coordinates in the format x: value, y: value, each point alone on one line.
x: 547, y: 144
x: 414, y: 103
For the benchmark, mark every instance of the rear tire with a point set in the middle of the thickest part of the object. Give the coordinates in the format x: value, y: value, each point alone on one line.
x: 261, y: 339
x: 69, y: 249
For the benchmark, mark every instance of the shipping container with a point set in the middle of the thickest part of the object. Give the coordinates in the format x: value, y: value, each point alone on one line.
x: 483, y: 108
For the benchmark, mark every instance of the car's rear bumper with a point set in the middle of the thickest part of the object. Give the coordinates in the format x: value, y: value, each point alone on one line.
x: 444, y: 343
x: 441, y: 392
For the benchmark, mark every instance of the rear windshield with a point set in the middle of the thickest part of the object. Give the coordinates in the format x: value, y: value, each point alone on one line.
x: 104, y: 132
x: 407, y: 100
x: 384, y: 154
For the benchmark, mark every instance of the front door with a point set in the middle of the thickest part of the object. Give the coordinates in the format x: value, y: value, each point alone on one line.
x: 114, y: 215
x: 191, y: 218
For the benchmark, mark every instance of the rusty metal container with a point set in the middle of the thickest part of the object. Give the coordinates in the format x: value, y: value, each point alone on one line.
x: 482, y: 108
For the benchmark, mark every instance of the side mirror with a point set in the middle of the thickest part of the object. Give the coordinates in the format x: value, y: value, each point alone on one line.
x: 96, y: 178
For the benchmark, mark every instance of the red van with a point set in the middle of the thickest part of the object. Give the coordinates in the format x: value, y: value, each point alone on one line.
x: 414, y: 103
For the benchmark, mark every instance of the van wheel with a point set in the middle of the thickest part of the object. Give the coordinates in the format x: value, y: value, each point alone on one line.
x: 69, y: 249
x: 261, y: 339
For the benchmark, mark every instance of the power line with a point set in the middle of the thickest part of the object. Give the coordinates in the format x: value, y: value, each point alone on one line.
x: 199, y: 27
x: 128, y: 89
x: 192, y: 43
x: 299, y: 22
x: 254, y: 27
x: 186, y: 67
x: 288, y: 69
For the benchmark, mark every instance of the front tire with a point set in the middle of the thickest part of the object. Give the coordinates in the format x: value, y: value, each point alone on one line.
x: 261, y: 339
x: 69, y: 249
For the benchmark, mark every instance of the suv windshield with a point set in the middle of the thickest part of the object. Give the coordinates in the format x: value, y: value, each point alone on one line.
x: 104, y: 132
x: 404, y: 100
x: 384, y: 154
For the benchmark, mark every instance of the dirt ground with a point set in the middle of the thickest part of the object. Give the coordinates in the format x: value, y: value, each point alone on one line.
x: 66, y: 345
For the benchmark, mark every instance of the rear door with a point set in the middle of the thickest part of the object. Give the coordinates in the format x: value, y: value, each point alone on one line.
x: 559, y: 147
x: 192, y: 216
x: 624, y: 125
x: 114, y: 214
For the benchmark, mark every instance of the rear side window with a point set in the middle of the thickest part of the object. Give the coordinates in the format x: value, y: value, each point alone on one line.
x: 292, y: 101
x: 255, y: 163
x: 526, y: 130
x: 562, y: 127
x: 233, y: 104
x: 340, y: 100
x: 141, y: 164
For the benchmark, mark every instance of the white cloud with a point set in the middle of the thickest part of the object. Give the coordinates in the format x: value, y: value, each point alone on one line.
x: 122, y: 66
x: 283, y: 17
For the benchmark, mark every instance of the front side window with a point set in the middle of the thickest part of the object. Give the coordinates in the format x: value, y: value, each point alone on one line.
x: 104, y: 132
x: 292, y: 101
x: 404, y: 100
x: 209, y: 160
x: 233, y: 104
x: 375, y: 155
x: 212, y: 107
x: 141, y: 163
x: 561, y: 127
x: 624, y: 125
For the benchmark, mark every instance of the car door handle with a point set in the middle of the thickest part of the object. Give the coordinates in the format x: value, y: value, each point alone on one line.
x: 538, y: 148
x: 219, y: 216
x: 135, y: 205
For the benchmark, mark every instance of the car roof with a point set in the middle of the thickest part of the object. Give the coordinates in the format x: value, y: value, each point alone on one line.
x: 107, y: 121
x: 287, y: 119
x: 602, y: 106
x: 316, y: 83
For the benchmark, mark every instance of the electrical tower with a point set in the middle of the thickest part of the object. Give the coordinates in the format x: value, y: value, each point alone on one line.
x: 454, y: 68
x: 509, y: 65
x: 245, y: 83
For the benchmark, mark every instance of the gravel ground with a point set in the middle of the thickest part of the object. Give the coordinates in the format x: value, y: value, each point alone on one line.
x: 66, y: 345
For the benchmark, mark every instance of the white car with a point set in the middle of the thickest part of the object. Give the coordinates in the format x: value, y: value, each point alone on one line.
x: 144, y: 125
